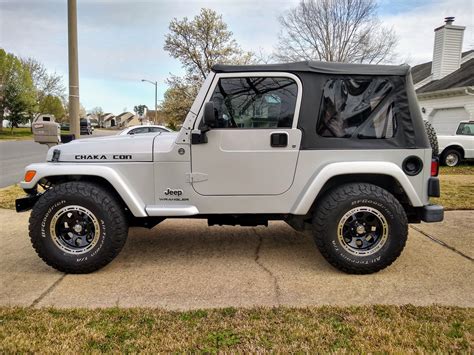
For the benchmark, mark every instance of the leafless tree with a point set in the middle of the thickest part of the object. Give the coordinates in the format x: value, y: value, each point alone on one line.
x: 335, y: 31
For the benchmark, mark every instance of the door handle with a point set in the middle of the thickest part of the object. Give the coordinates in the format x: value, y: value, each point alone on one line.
x: 279, y: 139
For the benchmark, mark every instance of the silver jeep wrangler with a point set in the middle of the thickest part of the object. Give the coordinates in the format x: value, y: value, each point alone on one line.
x: 336, y: 149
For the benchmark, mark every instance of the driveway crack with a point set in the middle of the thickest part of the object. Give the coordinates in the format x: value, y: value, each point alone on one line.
x: 276, y: 286
x: 48, y: 291
x: 440, y: 242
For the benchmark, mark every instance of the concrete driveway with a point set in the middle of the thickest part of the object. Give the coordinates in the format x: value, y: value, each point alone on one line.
x: 183, y: 264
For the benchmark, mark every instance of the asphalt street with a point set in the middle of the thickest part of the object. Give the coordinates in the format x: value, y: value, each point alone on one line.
x: 184, y: 264
x: 15, y: 155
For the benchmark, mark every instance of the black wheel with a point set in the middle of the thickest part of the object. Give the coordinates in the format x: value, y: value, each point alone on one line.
x: 451, y: 157
x: 78, y: 227
x: 433, y: 138
x: 360, y: 228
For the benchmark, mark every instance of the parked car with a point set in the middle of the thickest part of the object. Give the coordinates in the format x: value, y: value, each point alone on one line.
x: 455, y: 148
x: 86, y: 127
x: 339, y: 150
x: 144, y: 129
x: 65, y: 126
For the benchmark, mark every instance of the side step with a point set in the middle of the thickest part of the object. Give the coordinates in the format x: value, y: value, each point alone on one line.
x: 168, y: 211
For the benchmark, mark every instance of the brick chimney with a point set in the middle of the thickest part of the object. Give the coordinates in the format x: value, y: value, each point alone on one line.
x: 447, y: 49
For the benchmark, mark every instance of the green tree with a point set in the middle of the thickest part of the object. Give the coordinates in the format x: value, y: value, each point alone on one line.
x: 140, y: 110
x: 177, y: 101
x: 46, y: 84
x: 18, y: 94
x: 53, y: 105
x: 198, y: 44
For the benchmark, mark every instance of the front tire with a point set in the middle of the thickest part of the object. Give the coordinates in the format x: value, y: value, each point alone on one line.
x: 360, y: 228
x: 78, y: 227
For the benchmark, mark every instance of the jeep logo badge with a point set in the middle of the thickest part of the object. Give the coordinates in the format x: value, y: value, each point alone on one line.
x: 175, y: 192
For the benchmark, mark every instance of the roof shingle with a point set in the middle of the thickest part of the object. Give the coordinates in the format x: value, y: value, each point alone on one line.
x: 464, y: 76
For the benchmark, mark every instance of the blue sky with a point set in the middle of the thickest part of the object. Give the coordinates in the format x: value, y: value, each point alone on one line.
x: 121, y: 42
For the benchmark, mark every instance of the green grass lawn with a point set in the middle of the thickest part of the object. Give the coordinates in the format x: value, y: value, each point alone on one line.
x: 323, y: 329
x: 17, y: 133
x: 457, y: 192
x: 8, y: 195
x: 463, y: 169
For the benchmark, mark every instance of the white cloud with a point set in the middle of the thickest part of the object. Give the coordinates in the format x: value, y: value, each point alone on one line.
x: 121, y: 41
x: 415, y: 27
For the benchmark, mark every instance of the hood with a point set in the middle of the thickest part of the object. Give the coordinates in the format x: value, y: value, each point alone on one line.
x: 131, y: 148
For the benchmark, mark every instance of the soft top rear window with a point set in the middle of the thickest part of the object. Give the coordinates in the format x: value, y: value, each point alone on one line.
x: 347, y: 103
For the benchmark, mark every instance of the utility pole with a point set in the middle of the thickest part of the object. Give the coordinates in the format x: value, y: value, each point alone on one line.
x: 156, y: 102
x: 156, y: 97
x: 75, y: 127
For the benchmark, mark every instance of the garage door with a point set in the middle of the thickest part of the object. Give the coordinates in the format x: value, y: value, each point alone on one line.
x: 446, y: 121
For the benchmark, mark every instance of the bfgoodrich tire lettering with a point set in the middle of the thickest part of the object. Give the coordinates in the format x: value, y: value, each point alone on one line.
x: 99, y: 243
x: 388, y: 216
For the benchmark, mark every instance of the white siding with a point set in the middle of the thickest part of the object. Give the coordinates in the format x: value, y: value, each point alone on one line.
x: 447, y: 50
x: 431, y: 106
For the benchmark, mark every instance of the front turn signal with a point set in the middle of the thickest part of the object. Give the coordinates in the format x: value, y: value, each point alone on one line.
x: 29, y: 175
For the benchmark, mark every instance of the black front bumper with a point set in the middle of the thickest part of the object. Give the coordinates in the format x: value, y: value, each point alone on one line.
x: 26, y: 203
x: 432, y: 213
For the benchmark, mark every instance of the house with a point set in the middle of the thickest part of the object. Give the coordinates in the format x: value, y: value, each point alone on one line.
x: 445, y: 86
x: 127, y: 119
x: 93, y: 120
x: 108, y: 120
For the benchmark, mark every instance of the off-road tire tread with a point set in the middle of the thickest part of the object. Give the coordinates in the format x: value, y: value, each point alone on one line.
x: 331, y: 202
x: 99, y: 196
x: 432, y: 137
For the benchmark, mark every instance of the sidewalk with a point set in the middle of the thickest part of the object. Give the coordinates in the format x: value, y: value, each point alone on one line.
x: 187, y: 265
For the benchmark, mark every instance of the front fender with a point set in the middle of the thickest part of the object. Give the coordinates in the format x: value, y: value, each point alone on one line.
x: 319, y: 179
x: 43, y: 170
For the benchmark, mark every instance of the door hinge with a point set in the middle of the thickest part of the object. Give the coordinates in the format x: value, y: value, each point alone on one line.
x: 195, y: 177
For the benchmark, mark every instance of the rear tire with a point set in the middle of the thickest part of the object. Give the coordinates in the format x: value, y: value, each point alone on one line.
x: 360, y: 228
x: 78, y: 227
x: 451, y: 157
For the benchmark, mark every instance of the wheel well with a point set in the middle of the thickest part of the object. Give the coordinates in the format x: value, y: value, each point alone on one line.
x: 49, y: 181
x: 386, y: 182
x: 454, y: 147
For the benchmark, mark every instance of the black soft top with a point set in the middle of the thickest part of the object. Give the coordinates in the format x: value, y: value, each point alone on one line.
x: 317, y: 67
x: 410, y: 131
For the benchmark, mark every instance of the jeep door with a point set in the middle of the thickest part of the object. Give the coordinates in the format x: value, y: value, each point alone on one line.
x: 253, y: 150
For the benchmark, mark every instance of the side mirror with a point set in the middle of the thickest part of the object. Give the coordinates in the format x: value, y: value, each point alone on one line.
x: 209, y: 117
